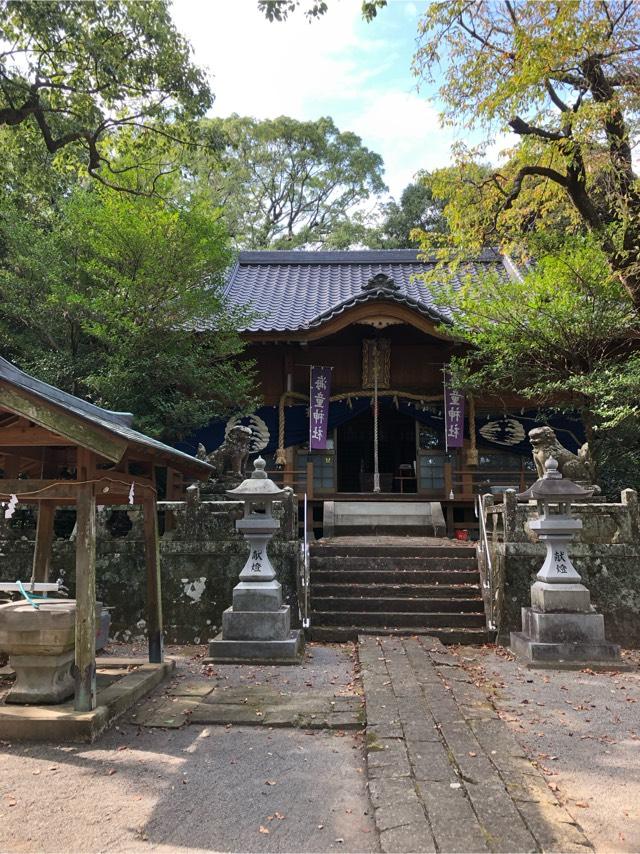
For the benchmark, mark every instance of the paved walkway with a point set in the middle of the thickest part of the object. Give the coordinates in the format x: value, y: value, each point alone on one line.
x: 445, y: 773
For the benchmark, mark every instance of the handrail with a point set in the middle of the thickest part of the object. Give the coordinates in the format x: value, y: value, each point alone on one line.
x: 487, y: 582
x: 304, y: 573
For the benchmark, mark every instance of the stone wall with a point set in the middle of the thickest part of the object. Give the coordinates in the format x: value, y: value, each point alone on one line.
x: 606, y: 553
x: 201, y: 555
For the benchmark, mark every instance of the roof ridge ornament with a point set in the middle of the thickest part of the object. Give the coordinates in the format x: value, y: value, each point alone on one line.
x: 381, y: 281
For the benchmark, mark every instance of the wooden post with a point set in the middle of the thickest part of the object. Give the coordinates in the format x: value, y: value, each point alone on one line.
x: 11, y: 465
x: 85, y: 665
x: 448, y: 478
x: 154, y: 596
x: 44, y: 538
x: 309, y: 481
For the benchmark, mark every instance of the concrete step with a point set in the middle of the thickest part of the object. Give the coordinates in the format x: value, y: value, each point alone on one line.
x: 394, y: 562
x: 432, y: 576
x: 421, y: 619
x: 373, y: 550
x: 396, y: 605
x: 341, y: 634
x: 427, y: 591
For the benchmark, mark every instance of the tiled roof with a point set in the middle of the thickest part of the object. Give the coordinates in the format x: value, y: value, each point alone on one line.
x: 289, y: 291
x: 118, y: 423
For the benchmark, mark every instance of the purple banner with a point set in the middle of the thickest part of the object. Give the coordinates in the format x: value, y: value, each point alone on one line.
x: 319, y: 407
x: 453, y: 416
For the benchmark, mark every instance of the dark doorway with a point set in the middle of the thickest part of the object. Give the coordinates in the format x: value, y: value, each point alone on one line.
x: 396, y: 451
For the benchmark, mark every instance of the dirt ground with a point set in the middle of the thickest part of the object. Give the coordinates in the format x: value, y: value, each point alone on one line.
x: 582, y: 729
x: 197, y: 788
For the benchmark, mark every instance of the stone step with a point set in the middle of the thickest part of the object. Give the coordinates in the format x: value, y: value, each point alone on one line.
x: 376, y: 576
x: 396, y: 605
x: 383, y: 619
x: 394, y: 562
x: 398, y: 551
x: 341, y: 634
x: 427, y: 591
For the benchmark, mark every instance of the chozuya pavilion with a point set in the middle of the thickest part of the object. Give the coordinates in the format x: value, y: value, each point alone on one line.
x: 371, y: 330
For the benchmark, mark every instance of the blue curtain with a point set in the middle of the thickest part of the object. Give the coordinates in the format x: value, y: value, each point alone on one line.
x: 498, y: 431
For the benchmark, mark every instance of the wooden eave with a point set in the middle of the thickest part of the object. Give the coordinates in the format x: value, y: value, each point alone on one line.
x: 57, y: 426
x: 350, y: 316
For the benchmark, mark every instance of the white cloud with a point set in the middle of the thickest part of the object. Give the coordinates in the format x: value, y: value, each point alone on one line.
x: 359, y: 74
x: 406, y: 129
x: 270, y: 69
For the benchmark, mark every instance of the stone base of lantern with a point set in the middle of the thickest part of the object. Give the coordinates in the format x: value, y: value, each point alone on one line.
x: 563, y: 637
x: 287, y: 651
x: 257, y: 628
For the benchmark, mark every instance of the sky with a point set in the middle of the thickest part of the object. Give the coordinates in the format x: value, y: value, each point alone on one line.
x: 338, y: 66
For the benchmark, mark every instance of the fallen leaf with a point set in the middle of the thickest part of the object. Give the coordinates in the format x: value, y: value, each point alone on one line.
x: 264, y: 829
x: 279, y: 815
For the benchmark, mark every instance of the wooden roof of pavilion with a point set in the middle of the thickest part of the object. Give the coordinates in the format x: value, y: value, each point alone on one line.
x: 56, y: 417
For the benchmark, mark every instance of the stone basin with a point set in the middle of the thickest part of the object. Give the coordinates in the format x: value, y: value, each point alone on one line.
x: 41, y: 647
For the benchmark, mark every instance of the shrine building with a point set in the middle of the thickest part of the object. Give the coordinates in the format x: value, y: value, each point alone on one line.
x: 367, y: 325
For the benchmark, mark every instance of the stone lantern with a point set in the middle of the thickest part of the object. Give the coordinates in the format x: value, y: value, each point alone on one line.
x: 561, y: 625
x: 257, y: 627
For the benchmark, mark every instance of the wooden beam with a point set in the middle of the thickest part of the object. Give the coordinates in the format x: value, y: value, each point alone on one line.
x: 85, y: 665
x: 16, y: 436
x: 64, y: 489
x: 64, y: 423
x: 154, y: 593
x: 44, y: 539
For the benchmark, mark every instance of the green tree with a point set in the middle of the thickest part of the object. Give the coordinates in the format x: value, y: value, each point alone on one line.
x: 104, y: 297
x: 283, y: 183
x: 394, y: 225
x: 78, y: 73
x: 417, y: 211
x: 563, y: 333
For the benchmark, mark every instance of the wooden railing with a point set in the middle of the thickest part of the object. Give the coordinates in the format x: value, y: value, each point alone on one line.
x: 466, y: 483
x: 300, y: 480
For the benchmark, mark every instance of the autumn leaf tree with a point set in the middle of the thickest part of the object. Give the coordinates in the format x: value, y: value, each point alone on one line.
x: 563, y: 76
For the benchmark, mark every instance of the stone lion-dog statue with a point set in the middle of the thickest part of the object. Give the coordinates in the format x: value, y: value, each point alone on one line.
x: 232, y: 455
x: 577, y: 467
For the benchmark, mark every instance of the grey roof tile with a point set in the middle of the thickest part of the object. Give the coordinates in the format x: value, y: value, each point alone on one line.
x: 291, y: 291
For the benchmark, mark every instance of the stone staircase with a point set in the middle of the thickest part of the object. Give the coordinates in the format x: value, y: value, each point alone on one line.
x: 362, y: 587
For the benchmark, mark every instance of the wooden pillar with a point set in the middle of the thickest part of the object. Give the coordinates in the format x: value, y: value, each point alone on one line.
x: 11, y: 466
x: 448, y: 478
x: 309, y: 480
x: 44, y: 539
x: 85, y: 667
x: 154, y: 596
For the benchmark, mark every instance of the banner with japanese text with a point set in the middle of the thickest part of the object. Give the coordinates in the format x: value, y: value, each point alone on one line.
x: 319, y: 393
x: 453, y: 415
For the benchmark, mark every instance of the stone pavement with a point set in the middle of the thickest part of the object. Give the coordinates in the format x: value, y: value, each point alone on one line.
x: 319, y: 694
x: 445, y: 774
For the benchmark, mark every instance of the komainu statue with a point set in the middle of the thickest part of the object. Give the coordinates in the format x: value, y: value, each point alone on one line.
x: 576, y: 467
x: 230, y: 458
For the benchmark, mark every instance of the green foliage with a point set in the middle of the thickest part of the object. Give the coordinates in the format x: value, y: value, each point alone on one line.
x: 401, y: 225
x: 102, y: 295
x: 563, y: 335
x: 284, y: 183
x: 77, y: 74
x: 548, y: 334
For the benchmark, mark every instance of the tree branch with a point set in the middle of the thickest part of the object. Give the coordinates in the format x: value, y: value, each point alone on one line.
x: 523, y: 128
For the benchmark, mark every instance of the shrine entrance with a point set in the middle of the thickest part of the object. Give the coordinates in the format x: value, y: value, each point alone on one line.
x: 396, y: 452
